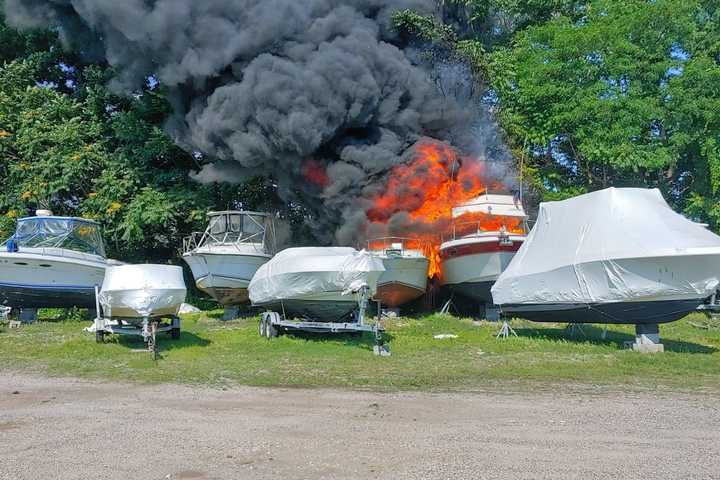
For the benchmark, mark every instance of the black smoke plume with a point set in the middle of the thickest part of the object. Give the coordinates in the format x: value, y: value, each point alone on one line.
x: 274, y: 87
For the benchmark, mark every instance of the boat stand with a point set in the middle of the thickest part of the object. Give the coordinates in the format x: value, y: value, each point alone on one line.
x: 272, y: 324
x: 647, y: 339
x: 505, y: 330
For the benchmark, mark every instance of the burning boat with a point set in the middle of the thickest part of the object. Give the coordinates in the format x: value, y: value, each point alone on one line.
x: 324, y: 284
x: 619, y: 255
x: 51, y: 262
x: 487, y: 231
x: 406, y: 270
x: 224, y: 257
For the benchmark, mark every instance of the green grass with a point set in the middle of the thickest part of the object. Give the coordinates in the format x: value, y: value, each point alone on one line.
x: 231, y: 353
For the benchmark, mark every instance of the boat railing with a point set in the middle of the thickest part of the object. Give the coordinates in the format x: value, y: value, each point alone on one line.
x: 479, y: 228
x: 238, y: 240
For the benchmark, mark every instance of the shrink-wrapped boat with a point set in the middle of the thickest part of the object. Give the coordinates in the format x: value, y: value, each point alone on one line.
x: 619, y: 255
x: 142, y: 291
x: 316, y: 283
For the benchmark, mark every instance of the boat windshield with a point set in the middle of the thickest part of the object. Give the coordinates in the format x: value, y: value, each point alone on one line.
x: 59, y: 232
x: 235, y: 227
x: 478, y: 224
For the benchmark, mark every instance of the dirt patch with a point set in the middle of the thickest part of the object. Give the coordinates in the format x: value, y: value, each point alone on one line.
x: 119, y: 431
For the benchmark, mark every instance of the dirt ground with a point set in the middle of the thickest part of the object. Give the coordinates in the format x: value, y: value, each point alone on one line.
x: 72, y: 429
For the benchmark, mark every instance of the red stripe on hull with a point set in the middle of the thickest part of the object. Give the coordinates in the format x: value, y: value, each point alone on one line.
x: 479, y: 247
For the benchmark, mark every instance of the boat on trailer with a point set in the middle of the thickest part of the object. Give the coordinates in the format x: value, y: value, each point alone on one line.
x: 141, y: 300
x: 406, y: 270
x: 52, y: 262
x: 224, y: 257
x: 316, y: 283
x: 317, y: 289
x: 619, y: 255
x: 486, y: 233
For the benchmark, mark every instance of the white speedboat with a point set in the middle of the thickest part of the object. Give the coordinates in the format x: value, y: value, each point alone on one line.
x: 224, y: 257
x: 322, y: 284
x: 142, y: 291
x: 52, y: 262
x: 486, y: 233
x: 406, y: 270
x: 619, y: 255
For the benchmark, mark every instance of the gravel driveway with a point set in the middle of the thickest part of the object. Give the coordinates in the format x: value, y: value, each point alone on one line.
x: 71, y: 429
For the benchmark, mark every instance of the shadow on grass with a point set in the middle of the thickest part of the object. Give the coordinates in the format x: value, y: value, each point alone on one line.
x: 363, y: 340
x: 594, y: 334
x: 165, y: 343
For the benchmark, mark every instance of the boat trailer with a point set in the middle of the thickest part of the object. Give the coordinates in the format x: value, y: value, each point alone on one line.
x: 147, y: 327
x: 272, y: 324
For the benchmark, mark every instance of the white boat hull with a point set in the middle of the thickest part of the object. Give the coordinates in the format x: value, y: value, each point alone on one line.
x: 29, y: 279
x: 404, y: 280
x: 225, y: 277
x: 471, y: 266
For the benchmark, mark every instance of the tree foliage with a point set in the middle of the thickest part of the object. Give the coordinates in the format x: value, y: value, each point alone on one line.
x: 625, y: 94
x: 68, y: 144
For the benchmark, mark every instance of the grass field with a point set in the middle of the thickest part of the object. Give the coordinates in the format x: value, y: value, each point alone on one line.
x: 231, y: 353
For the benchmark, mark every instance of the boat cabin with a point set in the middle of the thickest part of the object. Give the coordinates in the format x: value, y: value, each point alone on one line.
x: 234, y: 228
x: 489, y: 214
x: 397, y: 246
x: 57, y: 233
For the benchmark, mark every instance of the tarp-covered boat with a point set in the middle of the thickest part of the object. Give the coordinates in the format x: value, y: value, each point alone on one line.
x: 619, y: 255
x: 315, y: 283
x: 142, y: 291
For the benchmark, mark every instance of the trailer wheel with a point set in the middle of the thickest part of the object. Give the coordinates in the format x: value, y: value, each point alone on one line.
x: 271, y: 330
x: 99, y: 336
x: 175, y: 333
x: 262, y: 326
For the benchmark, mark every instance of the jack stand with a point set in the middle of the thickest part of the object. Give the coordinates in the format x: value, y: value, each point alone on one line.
x: 647, y: 339
x: 446, y: 308
x: 380, y: 348
x: 603, y: 335
x: 505, y: 330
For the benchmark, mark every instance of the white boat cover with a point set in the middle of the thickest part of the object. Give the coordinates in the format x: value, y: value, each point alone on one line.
x: 143, y: 289
x: 580, y: 251
x: 299, y: 272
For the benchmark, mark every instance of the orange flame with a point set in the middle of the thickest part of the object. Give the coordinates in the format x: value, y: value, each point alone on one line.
x: 419, y: 198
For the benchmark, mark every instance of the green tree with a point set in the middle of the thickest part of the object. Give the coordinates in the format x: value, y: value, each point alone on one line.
x: 591, y: 96
x: 68, y: 144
